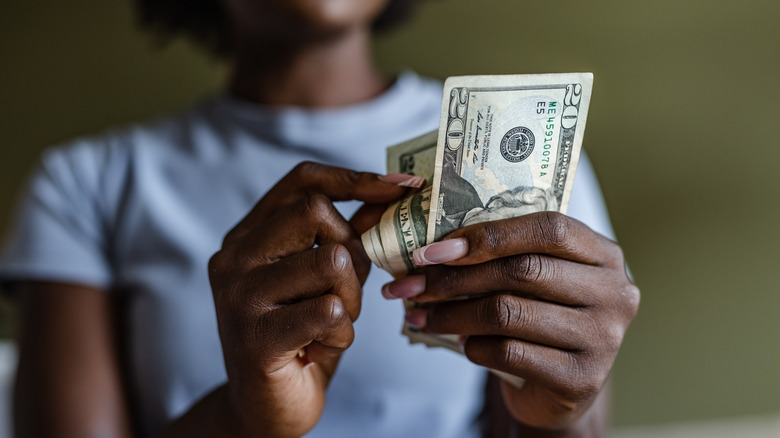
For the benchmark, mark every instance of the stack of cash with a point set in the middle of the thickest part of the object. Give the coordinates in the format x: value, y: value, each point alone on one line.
x: 506, y: 146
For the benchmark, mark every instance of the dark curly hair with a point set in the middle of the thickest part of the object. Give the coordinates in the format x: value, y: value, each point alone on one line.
x: 205, y: 21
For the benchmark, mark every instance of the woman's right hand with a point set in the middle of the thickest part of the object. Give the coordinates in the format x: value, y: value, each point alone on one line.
x: 287, y: 288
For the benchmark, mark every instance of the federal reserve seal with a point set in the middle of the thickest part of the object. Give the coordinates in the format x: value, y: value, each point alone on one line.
x: 517, y: 144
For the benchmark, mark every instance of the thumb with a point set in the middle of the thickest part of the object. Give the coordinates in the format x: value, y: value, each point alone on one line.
x: 367, y: 216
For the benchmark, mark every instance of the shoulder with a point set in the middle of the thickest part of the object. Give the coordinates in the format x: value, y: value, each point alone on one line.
x: 96, y: 174
x: 91, y: 158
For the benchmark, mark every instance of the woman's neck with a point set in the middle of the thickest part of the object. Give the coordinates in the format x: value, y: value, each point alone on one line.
x: 328, y: 72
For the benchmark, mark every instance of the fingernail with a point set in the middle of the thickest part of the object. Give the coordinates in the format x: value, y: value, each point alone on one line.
x: 416, y: 318
x: 441, y: 252
x: 403, y: 180
x: 406, y: 287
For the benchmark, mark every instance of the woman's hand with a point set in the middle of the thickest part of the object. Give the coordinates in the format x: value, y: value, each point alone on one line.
x: 548, y: 300
x: 287, y: 288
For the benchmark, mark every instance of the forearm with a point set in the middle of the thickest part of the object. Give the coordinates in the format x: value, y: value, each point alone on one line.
x: 68, y: 382
x: 593, y: 424
x: 499, y: 423
x: 208, y: 418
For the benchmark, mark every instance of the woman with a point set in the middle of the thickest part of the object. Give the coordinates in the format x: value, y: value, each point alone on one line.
x: 131, y: 326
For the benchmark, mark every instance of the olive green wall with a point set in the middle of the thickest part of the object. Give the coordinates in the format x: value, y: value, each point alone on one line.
x: 682, y: 131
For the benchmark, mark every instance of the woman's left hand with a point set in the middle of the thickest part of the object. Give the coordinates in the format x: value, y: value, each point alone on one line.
x: 548, y: 300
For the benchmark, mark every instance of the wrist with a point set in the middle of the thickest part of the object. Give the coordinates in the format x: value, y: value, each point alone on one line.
x: 237, y: 415
x: 224, y: 420
x: 593, y: 423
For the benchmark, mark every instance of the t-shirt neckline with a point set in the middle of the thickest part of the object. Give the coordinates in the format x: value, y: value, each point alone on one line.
x: 396, y: 95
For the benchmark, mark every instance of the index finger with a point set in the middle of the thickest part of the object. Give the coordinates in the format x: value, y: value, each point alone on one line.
x: 547, y: 232
x: 338, y: 184
x: 335, y: 183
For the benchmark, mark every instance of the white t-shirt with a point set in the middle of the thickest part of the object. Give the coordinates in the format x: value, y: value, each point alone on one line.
x: 139, y: 211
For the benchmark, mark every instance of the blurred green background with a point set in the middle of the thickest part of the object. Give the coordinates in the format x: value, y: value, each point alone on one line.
x: 682, y: 132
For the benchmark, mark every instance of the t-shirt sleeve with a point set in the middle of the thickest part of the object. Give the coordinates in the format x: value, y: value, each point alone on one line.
x: 58, y: 232
x: 586, y: 203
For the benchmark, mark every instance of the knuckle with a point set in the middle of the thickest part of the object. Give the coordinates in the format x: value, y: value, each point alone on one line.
x: 585, y: 382
x: 605, y: 341
x: 316, y: 206
x: 485, y: 238
x: 353, y: 178
x: 526, y: 268
x: 589, y: 385
x: 333, y: 261
x: 615, y: 255
x: 512, y: 353
x: 503, y: 313
x: 618, y: 256
x: 332, y: 316
x: 554, y: 228
x: 306, y: 168
x: 222, y: 271
x: 491, y: 237
x: 217, y: 265
x: 340, y: 260
x: 613, y: 339
x: 632, y: 298
x: 232, y: 235
x: 332, y: 310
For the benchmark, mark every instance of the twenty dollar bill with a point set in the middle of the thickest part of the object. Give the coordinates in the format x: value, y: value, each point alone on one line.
x: 404, y: 225
x: 506, y: 146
